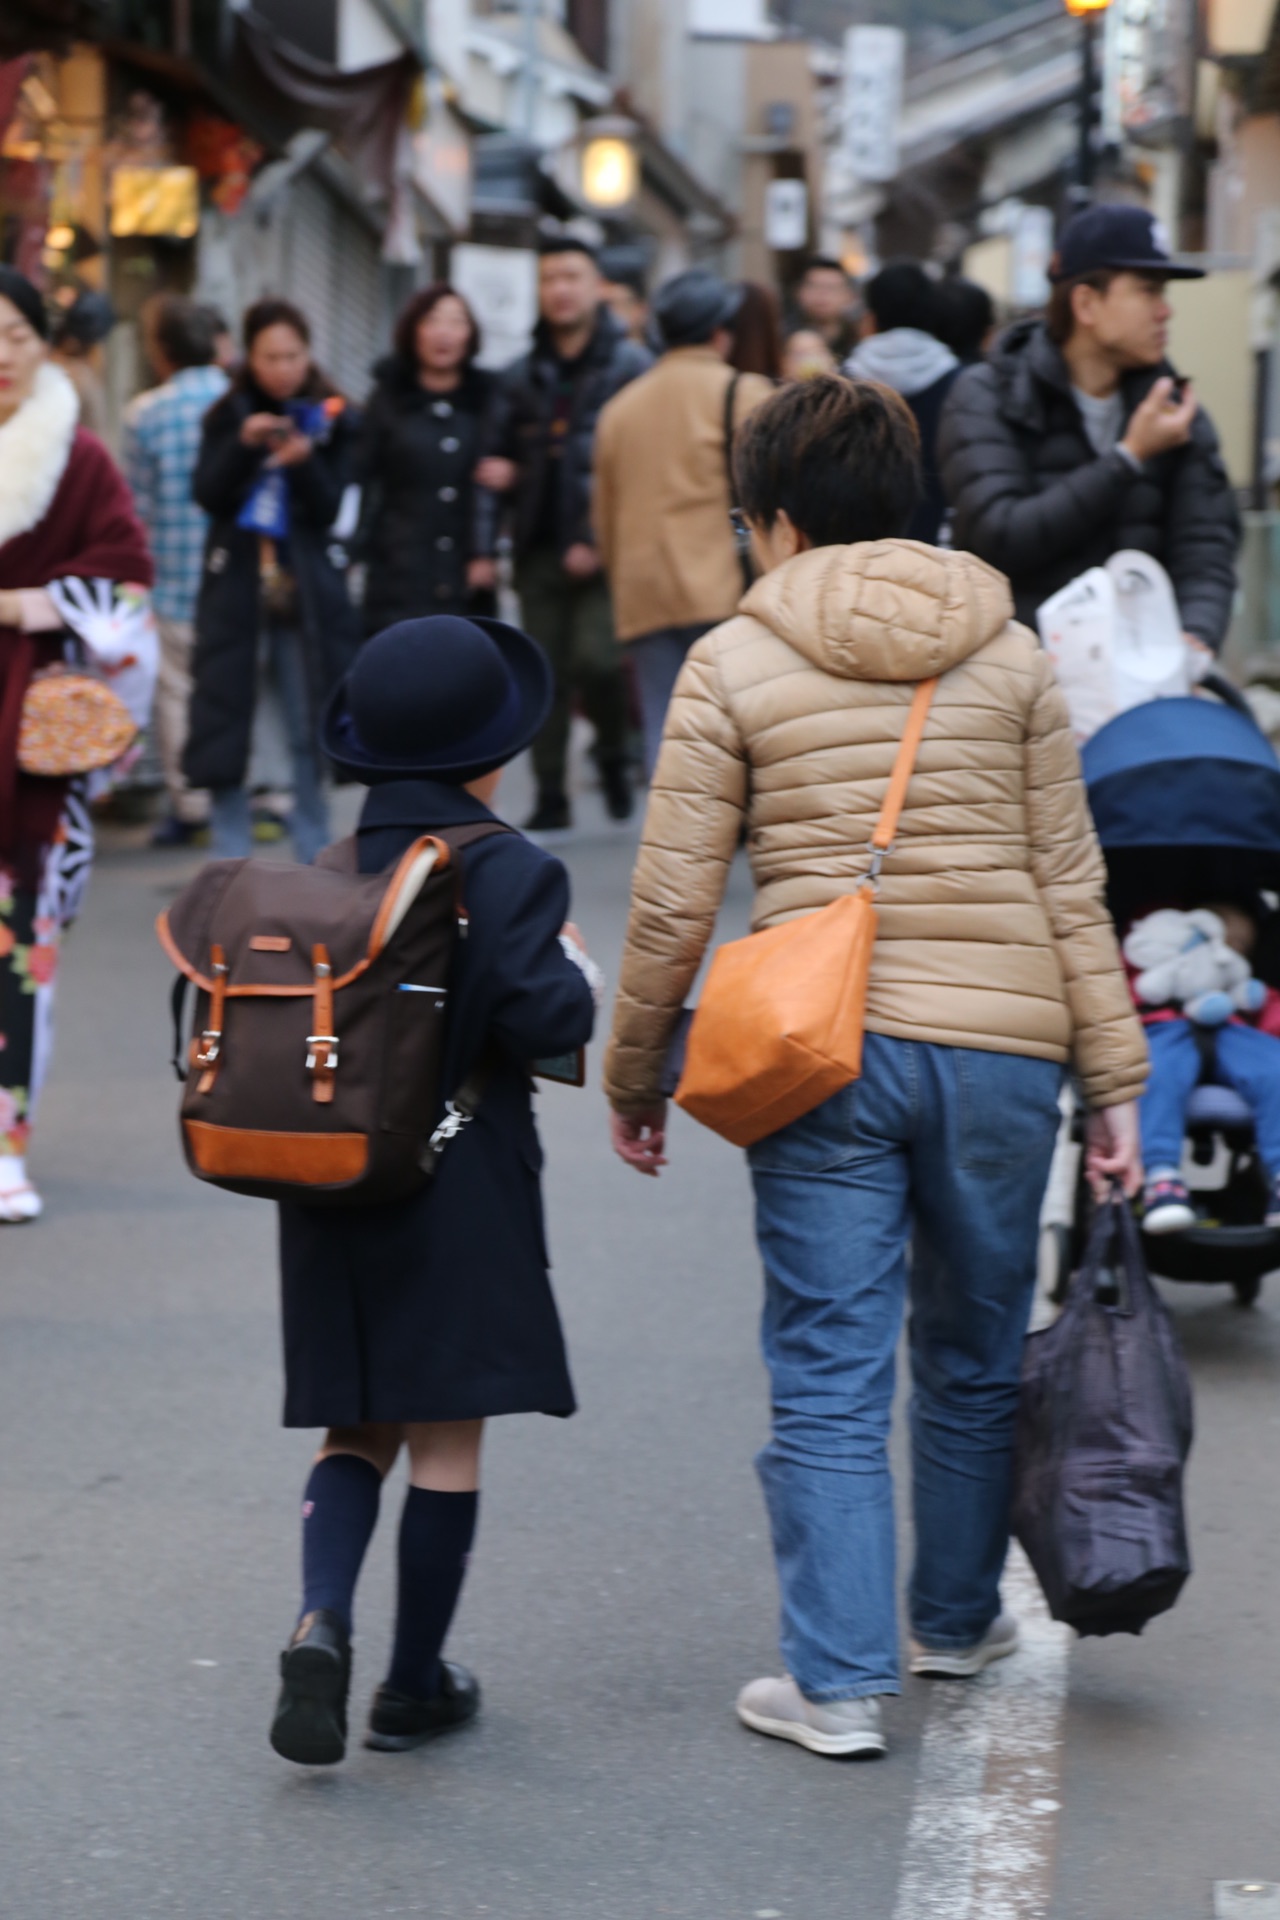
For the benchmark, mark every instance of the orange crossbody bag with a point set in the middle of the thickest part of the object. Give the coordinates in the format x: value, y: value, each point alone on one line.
x: 779, y: 1026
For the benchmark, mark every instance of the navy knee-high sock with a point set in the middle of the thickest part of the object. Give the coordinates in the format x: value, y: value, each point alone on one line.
x: 436, y: 1531
x: 339, y: 1514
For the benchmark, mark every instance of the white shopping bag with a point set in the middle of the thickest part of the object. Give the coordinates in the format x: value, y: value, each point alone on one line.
x: 1115, y: 640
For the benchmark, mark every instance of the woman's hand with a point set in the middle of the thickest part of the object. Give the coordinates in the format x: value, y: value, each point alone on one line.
x: 264, y: 430
x: 482, y: 574
x: 497, y: 474
x: 1113, y: 1149
x: 639, y: 1138
x: 10, y: 608
x: 293, y: 451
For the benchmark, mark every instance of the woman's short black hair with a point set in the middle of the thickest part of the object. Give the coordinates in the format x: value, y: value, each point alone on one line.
x: 425, y: 301
x: 840, y: 457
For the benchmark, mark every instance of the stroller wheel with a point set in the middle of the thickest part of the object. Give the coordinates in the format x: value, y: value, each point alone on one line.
x: 1247, y: 1291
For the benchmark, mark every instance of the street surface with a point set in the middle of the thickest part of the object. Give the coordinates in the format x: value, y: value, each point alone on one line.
x: 621, y: 1590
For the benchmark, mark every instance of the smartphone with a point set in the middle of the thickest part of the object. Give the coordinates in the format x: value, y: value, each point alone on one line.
x: 1178, y: 390
x: 280, y: 433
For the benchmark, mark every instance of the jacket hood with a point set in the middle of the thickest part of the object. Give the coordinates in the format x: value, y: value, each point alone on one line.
x: 884, y: 609
x: 904, y: 358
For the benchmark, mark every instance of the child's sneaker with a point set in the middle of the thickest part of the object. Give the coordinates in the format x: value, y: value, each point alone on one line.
x: 1273, y: 1203
x: 1166, y: 1204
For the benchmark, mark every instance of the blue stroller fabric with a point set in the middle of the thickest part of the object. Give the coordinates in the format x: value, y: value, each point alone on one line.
x: 1103, y: 1432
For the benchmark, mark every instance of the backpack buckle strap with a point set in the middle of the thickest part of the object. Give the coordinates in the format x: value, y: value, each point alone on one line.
x: 206, y: 1053
x: 322, y: 1045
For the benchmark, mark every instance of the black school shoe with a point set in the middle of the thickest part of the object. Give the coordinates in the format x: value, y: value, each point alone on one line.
x: 397, y: 1723
x: 310, y: 1724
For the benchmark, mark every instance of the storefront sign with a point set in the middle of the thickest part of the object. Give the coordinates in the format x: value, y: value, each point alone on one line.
x: 160, y: 202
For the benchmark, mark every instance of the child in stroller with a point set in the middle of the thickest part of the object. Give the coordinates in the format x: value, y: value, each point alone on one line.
x: 1185, y: 795
x: 1207, y: 1017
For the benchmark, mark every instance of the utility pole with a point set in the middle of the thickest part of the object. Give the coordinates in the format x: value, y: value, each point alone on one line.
x: 530, y: 13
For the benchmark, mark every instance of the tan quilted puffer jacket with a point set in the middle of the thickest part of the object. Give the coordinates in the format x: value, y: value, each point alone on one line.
x: 993, y: 931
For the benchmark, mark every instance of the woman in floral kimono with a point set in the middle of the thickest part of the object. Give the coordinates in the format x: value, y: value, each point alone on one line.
x: 74, y: 568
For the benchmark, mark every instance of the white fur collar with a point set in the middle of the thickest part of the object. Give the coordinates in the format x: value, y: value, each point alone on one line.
x: 34, y: 448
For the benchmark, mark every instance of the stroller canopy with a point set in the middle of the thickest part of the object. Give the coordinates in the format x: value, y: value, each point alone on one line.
x: 1185, y: 773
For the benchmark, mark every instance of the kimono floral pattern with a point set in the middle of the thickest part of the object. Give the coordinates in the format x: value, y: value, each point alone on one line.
x: 30, y: 938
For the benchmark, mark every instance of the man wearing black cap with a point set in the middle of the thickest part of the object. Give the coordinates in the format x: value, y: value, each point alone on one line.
x: 662, y: 493
x: 1075, y: 439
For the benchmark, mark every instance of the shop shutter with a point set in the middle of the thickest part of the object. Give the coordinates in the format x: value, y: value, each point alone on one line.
x: 357, y: 306
x: 310, y: 272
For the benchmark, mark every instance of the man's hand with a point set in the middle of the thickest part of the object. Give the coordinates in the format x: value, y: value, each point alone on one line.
x: 497, y: 474
x: 581, y: 562
x: 1113, y: 1149
x: 1161, y: 422
x: 482, y: 574
x: 640, y: 1138
x: 1203, y: 658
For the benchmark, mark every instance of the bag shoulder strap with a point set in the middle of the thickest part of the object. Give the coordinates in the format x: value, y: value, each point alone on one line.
x: 903, y: 768
x: 729, y: 427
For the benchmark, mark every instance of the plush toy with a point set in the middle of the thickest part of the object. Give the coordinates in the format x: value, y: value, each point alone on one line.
x: 1182, y: 959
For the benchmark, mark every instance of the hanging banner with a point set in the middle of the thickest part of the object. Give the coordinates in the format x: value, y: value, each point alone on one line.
x: 874, y: 65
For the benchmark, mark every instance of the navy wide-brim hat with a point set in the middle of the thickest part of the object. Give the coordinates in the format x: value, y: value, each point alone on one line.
x: 444, y: 698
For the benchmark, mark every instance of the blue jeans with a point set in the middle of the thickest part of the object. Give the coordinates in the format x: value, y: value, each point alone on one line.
x: 231, y: 808
x: 658, y: 658
x: 949, y: 1149
x: 1247, y: 1060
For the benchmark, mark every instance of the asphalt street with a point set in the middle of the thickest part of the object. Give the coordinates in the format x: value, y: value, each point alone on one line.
x: 621, y: 1591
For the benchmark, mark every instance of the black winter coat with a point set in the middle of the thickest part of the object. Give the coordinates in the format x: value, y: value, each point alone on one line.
x: 520, y: 430
x: 440, y: 1307
x: 228, y: 614
x: 417, y: 453
x: 1031, y: 496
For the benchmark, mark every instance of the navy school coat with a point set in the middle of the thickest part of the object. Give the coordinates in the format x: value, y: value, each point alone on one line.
x: 440, y: 1307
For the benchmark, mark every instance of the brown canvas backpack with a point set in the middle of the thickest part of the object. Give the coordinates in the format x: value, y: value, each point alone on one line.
x: 313, y: 1069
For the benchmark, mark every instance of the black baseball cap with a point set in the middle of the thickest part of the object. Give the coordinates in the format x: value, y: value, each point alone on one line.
x: 1122, y: 239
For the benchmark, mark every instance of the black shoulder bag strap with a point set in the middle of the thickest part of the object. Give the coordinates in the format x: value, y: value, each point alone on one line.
x: 730, y: 408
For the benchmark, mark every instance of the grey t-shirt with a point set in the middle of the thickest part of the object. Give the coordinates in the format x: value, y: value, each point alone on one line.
x: 1103, y: 419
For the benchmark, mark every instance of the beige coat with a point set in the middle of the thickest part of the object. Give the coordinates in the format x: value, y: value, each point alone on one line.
x: 661, y: 507
x: 993, y: 930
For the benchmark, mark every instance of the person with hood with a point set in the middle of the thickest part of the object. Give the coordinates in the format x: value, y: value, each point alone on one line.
x: 899, y: 346
x: 420, y: 442
x: 662, y: 494
x: 540, y: 445
x: 1075, y: 438
x: 409, y: 1324
x: 273, y: 618
x: 996, y: 964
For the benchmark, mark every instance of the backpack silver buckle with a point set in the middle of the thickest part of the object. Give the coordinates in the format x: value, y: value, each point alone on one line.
x: 328, y: 1041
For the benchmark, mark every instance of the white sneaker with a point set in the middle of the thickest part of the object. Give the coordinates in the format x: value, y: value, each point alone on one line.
x: 19, y: 1201
x: 961, y: 1663
x: 834, y: 1727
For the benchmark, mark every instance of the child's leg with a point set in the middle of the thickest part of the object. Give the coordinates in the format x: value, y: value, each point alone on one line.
x: 340, y: 1512
x: 1250, y: 1062
x: 437, y: 1526
x: 1175, y: 1069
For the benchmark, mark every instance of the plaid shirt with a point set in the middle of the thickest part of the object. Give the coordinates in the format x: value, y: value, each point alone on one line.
x: 161, y: 443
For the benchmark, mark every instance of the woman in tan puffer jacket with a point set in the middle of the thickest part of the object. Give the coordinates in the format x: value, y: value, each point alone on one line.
x: 996, y: 965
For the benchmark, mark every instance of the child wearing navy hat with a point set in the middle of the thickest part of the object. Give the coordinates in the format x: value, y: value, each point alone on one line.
x: 410, y: 1324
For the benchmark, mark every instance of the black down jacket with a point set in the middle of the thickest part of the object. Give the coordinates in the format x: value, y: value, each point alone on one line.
x: 520, y: 430
x: 228, y: 615
x: 417, y: 453
x: 1031, y: 496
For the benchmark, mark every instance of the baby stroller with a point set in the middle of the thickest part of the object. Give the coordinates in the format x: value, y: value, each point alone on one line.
x: 1185, y: 795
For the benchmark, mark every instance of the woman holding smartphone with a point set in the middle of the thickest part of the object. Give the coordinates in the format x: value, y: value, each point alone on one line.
x: 274, y: 620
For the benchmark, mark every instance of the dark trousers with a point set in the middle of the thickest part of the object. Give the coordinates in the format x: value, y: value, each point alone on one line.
x: 573, y: 622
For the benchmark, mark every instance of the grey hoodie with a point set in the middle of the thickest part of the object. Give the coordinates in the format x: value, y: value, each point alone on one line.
x: 906, y: 359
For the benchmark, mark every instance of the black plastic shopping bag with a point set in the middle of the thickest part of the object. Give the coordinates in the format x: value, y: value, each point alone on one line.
x: 1103, y: 1433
